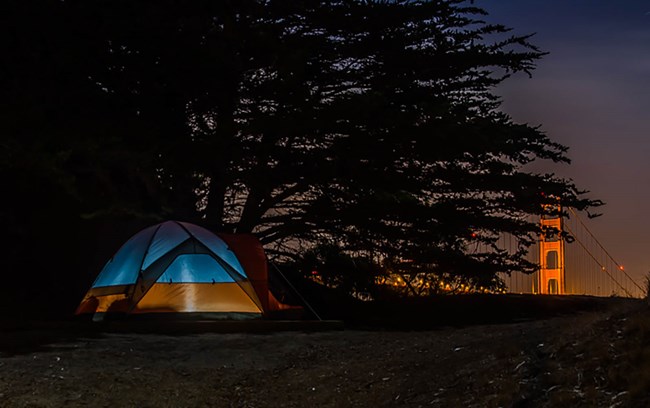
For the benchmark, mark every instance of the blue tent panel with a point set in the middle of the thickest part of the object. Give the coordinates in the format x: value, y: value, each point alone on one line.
x: 152, y: 243
x: 123, y: 268
x: 195, y: 268
x: 216, y: 245
x: 169, y: 235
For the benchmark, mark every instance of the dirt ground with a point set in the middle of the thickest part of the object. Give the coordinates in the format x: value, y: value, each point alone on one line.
x: 590, y: 359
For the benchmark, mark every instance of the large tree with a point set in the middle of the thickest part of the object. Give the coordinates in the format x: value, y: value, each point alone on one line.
x: 369, y: 123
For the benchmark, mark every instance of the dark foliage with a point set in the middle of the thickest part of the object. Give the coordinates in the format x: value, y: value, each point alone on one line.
x: 372, y: 124
x: 334, y: 268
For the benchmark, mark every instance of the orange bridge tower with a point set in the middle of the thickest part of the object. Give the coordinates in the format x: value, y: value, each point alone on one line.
x: 551, y: 256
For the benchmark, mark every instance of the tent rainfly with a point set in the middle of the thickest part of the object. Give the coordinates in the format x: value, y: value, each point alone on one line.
x: 176, y: 267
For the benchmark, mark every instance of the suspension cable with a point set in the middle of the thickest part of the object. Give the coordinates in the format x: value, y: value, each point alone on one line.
x: 599, y: 264
x: 620, y: 267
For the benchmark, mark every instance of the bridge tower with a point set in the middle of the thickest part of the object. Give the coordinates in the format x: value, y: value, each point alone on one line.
x: 550, y: 279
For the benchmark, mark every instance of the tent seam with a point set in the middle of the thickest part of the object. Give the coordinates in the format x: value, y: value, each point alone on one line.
x: 146, y: 250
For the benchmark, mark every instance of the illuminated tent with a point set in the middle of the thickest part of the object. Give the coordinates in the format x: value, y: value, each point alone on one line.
x: 180, y: 268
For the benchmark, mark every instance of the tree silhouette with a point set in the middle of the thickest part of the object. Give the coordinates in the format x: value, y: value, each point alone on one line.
x: 370, y: 124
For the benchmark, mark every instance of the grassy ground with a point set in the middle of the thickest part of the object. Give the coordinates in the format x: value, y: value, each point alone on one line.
x: 532, y: 351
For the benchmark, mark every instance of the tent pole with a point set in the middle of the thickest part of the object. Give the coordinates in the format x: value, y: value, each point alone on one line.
x: 311, y: 309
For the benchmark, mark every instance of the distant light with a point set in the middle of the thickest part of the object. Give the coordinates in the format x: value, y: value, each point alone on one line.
x: 620, y: 267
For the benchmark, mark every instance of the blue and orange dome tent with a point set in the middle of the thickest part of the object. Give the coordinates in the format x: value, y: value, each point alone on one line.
x: 178, y: 267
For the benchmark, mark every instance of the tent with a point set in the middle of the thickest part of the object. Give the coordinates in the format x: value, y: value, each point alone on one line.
x: 180, y: 267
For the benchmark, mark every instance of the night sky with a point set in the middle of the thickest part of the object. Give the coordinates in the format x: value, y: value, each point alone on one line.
x: 591, y: 93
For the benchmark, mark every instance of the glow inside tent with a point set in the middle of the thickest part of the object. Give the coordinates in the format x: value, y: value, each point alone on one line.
x: 173, y: 267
